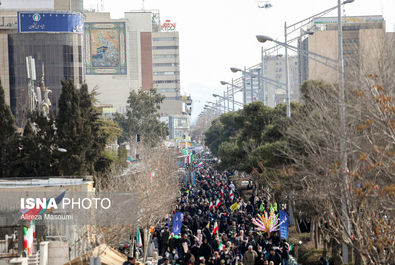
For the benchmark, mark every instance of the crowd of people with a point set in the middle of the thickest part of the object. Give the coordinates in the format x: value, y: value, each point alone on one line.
x: 215, y: 230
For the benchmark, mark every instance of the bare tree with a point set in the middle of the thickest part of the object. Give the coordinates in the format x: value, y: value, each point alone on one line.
x: 366, y: 190
x: 154, y: 183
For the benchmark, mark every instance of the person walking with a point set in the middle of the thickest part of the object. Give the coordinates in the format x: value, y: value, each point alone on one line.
x: 249, y: 256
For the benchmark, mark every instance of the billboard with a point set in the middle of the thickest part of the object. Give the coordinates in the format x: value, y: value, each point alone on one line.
x: 346, y: 20
x: 105, y: 48
x: 27, y: 4
x: 30, y: 21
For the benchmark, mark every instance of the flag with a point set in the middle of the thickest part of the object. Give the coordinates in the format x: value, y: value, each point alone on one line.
x: 217, y: 203
x: 177, y: 223
x: 231, y: 195
x: 200, y: 164
x: 138, y: 238
x: 222, y: 192
x: 28, y: 237
x: 262, y: 207
x: 208, y: 225
x: 234, y: 207
x: 221, y: 247
x: 284, y: 224
x: 211, y: 205
x: 215, y: 230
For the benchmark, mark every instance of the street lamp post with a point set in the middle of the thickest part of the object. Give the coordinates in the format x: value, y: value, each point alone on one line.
x: 245, y: 73
x: 233, y: 92
x: 236, y: 102
x: 287, y: 74
x: 233, y: 96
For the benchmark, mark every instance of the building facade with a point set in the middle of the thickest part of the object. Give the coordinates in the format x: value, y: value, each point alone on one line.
x: 53, y: 39
x: 118, y: 56
x: 175, y: 109
x: 362, y: 36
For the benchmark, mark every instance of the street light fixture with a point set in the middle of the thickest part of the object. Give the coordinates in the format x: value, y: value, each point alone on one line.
x: 235, y: 69
x: 245, y: 72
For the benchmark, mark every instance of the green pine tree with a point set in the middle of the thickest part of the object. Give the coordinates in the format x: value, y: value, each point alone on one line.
x: 38, y: 147
x: 79, y: 131
x: 143, y: 118
x: 9, y: 140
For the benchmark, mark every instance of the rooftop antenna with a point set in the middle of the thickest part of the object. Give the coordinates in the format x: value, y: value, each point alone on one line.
x: 44, y: 102
x: 143, y: 5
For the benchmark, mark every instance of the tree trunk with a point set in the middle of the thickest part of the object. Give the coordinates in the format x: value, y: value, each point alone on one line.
x: 316, y: 234
x: 147, y: 240
x: 297, y: 225
x: 337, y: 259
x: 311, y: 229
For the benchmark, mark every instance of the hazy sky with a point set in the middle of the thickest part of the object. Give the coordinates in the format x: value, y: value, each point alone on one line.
x: 218, y: 34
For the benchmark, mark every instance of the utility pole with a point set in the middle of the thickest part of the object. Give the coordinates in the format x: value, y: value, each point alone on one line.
x: 343, y: 153
x: 233, y: 95
x: 244, y: 87
x: 287, y: 73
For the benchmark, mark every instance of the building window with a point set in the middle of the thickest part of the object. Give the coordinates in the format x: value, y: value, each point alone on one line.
x: 167, y: 73
x: 160, y: 56
x: 165, y: 47
x: 165, y: 64
x: 166, y: 81
x: 164, y: 39
x: 166, y: 90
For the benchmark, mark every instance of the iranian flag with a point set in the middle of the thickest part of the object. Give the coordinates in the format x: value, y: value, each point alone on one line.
x: 200, y: 164
x: 231, y: 195
x: 138, y: 238
x: 28, y: 237
x: 215, y: 230
x: 190, y: 159
x: 221, y: 247
x: 211, y: 205
x: 217, y: 203
x: 222, y: 192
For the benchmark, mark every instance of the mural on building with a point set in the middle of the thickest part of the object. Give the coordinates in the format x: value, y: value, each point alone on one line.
x: 105, y: 52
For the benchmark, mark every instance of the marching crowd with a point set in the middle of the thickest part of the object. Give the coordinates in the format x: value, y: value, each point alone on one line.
x: 217, y: 228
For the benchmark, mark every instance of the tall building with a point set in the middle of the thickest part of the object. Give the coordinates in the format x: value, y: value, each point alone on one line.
x: 118, y: 56
x: 9, y: 25
x: 166, y: 64
x: 175, y: 109
x: 60, y: 5
x: 270, y: 88
x: 51, y: 37
x: 361, y: 38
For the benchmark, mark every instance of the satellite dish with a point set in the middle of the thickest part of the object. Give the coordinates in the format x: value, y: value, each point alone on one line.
x: 264, y: 4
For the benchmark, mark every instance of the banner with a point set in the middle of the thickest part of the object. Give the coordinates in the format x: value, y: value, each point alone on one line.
x: 193, y: 177
x: 284, y: 224
x: 33, y: 21
x: 177, y: 223
x: 234, y: 207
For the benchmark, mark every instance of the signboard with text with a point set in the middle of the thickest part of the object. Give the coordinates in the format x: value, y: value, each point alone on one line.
x: 30, y: 21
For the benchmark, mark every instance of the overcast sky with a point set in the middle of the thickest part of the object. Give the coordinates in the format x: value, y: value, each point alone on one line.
x: 218, y: 34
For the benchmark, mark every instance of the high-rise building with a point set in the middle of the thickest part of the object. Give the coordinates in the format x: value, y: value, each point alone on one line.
x: 175, y: 109
x: 361, y: 38
x: 9, y: 25
x: 118, y: 56
x: 52, y: 38
x: 60, y: 5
